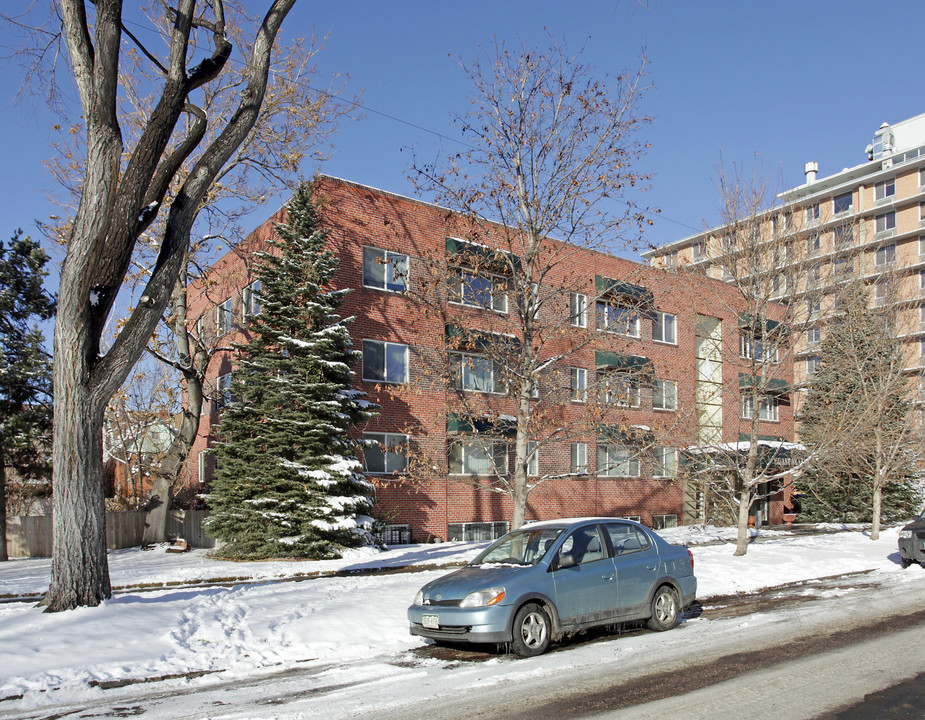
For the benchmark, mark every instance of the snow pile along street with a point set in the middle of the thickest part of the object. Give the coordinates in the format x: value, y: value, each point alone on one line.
x: 199, y: 635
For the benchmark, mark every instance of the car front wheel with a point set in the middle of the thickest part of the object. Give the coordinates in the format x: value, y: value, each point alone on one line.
x: 665, y: 609
x: 531, y: 631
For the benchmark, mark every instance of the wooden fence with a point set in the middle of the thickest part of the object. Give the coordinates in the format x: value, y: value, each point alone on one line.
x: 32, y: 536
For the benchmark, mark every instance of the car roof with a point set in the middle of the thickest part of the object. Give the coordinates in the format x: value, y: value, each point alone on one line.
x: 568, y: 522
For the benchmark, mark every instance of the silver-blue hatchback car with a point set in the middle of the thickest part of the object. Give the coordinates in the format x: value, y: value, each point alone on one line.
x: 554, y: 578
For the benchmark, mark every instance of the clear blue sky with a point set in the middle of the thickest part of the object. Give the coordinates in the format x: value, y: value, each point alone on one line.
x: 789, y: 80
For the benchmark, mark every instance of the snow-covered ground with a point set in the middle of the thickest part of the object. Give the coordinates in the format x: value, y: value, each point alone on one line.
x: 259, y: 624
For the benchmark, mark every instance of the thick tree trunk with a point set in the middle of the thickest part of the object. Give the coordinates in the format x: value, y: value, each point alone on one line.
x: 3, y: 550
x: 79, y: 567
x: 742, y: 520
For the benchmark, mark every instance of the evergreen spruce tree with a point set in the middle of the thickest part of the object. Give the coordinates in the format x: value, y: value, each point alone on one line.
x: 25, y: 367
x: 287, y: 483
x: 858, y: 395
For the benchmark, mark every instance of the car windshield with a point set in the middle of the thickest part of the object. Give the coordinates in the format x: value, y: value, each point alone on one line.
x: 521, y: 547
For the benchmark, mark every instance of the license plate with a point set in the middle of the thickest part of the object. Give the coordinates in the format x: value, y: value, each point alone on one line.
x: 430, y: 621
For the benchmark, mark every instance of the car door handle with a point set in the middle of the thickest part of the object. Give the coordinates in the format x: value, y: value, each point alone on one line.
x: 650, y: 567
x: 608, y: 577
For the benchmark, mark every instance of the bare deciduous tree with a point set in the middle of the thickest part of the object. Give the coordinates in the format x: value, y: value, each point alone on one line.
x: 124, y: 189
x: 551, y: 156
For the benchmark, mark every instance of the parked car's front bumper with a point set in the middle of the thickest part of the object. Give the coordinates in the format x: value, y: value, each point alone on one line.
x: 475, y: 625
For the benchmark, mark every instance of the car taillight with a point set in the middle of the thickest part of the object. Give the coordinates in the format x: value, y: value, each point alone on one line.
x: 691, y: 556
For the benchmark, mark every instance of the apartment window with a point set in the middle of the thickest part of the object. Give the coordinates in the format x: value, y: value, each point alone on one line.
x: 476, y: 373
x: 578, y: 384
x: 921, y: 213
x: 813, y: 364
x: 533, y: 459
x: 728, y: 243
x: 617, y: 319
x: 767, y: 408
x: 578, y: 310
x: 579, y: 459
x: 223, y: 389
x: 618, y: 389
x: 843, y: 268
x: 385, y: 270
x: 666, y: 462
x: 813, y: 306
x: 385, y: 453
x: 813, y: 335
x: 478, y: 457
x: 881, y: 293
x: 778, y: 285
x: 885, y: 255
x: 206, y: 466
x: 841, y: 204
x: 843, y: 236
x: 665, y: 395
x: 699, y: 250
x: 617, y: 461
x: 922, y: 316
x: 385, y: 362
x: 813, y: 277
x: 884, y: 190
x: 885, y: 222
x: 661, y: 522
x: 671, y: 259
x: 251, y: 304
x: 753, y: 348
x: 813, y: 243
x: 921, y: 281
x: 921, y: 347
x: 922, y: 177
x: 664, y: 328
x: 223, y: 318
x: 484, y: 291
x: 812, y: 214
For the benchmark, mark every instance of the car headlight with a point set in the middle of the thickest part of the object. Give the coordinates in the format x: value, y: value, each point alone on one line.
x: 419, y: 598
x: 905, y: 534
x: 483, y: 598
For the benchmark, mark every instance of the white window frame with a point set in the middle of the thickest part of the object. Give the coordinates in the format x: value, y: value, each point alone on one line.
x: 386, y: 355
x: 885, y: 255
x: 813, y: 364
x: 578, y: 384
x: 813, y: 243
x: 471, y: 449
x: 755, y: 349
x: 578, y: 310
x: 610, y: 319
x: 394, y: 269
x: 666, y: 462
x: 497, y: 292
x: 813, y: 335
x: 665, y: 328
x: 885, y: 223
x: 812, y: 214
x: 467, y: 368
x: 884, y: 190
x: 533, y: 458
x: 618, y: 389
x: 665, y: 395
x: 699, y: 250
x: 578, y: 458
x: 202, y: 459
x: 250, y: 304
x: 398, y: 457
x: 615, y: 460
x: 841, y: 213
x: 224, y: 318
x: 223, y: 389
x: 768, y: 408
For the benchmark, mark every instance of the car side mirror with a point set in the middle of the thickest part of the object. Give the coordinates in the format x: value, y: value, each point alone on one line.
x: 566, y: 560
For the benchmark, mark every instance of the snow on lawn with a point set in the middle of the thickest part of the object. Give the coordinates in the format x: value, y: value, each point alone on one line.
x: 250, y: 626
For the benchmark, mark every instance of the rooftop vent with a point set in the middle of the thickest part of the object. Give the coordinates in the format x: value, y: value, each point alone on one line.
x: 811, y: 168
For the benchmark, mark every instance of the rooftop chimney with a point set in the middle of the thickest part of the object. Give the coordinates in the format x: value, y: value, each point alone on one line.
x: 811, y: 168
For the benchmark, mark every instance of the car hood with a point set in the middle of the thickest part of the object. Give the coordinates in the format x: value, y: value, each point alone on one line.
x: 917, y: 524
x: 457, y: 585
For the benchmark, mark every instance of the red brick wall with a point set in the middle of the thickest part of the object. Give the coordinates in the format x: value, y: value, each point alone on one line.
x: 359, y: 216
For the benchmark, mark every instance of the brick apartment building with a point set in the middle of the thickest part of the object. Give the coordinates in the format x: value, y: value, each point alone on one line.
x: 635, y: 347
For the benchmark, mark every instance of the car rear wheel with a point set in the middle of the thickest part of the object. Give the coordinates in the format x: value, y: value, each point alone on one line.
x: 665, y: 609
x: 531, y: 631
